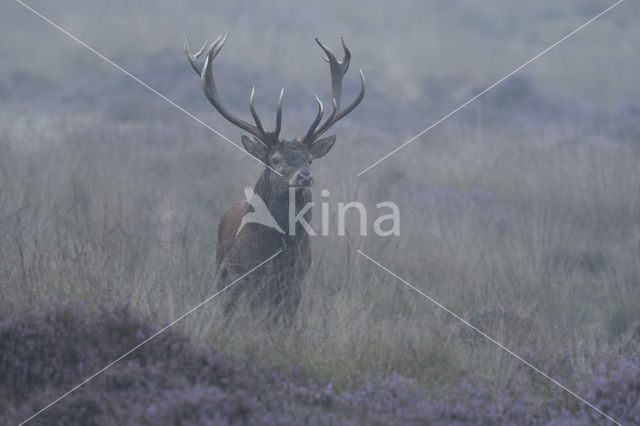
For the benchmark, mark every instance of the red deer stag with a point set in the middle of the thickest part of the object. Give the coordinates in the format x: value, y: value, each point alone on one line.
x: 276, y: 289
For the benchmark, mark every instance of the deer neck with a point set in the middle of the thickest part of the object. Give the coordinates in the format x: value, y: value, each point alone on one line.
x: 277, y: 200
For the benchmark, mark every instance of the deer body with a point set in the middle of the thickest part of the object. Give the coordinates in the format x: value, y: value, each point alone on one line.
x: 278, y: 287
x: 242, y: 244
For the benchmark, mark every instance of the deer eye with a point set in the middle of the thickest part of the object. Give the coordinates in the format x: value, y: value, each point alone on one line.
x: 275, y: 161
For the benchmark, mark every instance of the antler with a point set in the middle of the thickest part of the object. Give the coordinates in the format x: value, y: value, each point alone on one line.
x: 205, y: 72
x: 338, y: 70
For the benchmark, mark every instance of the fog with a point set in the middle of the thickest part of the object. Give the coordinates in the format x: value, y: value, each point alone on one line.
x: 519, y: 213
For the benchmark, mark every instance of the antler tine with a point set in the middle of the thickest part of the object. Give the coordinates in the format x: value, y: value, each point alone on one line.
x: 206, y: 74
x: 193, y: 59
x: 254, y: 114
x: 338, y: 70
x: 204, y: 46
x: 347, y: 52
x: 269, y: 138
x: 328, y: 122
x: 209, y: 87
x: 308, y: 137
x: 355, y: 103
x: 276, y: 132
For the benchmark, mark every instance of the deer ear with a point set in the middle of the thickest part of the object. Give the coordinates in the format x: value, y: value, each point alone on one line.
x: 255, y: 148
x: 322, y: 146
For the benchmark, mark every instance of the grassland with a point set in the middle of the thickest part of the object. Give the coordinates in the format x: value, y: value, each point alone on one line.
x: 520, y: 214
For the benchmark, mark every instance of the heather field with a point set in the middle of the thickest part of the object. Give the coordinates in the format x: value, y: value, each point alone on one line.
x: 520, y: 214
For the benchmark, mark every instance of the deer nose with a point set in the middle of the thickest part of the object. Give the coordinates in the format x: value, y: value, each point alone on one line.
x: 305, y: 178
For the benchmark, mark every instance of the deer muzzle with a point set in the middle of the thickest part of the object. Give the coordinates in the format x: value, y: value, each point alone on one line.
x: 302, y: 177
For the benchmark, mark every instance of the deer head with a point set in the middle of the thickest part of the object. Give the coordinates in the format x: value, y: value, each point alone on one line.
x: 290, y: 159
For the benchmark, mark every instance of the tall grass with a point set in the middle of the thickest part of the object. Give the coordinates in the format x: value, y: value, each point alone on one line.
x: 532, y: 238
x: 520, y: 213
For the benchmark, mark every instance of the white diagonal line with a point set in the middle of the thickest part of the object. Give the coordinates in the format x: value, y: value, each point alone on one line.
x: 491, y: 339
x: 581, y: 27
x: 163, y: 329
x: 137, y: 80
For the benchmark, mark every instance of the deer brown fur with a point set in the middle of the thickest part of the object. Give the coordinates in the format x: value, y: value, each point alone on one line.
x: 277, y: 287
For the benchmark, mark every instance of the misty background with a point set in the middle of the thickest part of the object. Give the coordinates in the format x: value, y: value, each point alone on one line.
x: 521, y: 213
